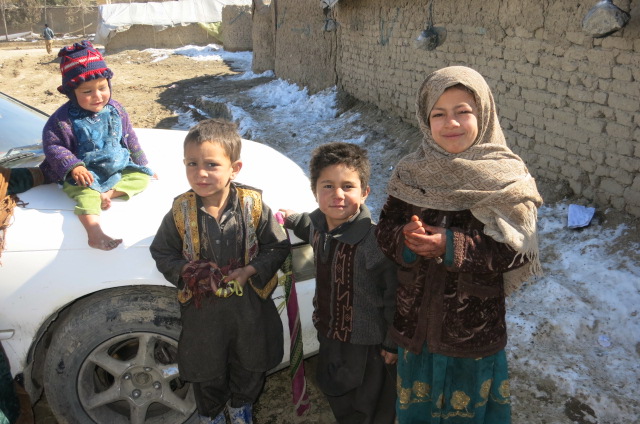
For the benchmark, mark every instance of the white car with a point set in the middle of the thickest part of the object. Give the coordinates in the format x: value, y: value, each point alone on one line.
x: 97, y: 330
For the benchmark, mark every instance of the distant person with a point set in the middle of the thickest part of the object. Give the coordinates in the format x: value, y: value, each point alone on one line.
x: 89, y: 143
x: 48, y: 38
x: 221, y: 246
x: 460, y: 222
x: 355, y: 289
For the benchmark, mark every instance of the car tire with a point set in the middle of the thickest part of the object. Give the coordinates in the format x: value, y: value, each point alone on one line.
x: 112, y: 359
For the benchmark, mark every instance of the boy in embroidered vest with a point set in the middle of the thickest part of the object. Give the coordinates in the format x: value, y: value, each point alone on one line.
x: 89, y: 142
x: 354, y: 301
x: 221, y: 246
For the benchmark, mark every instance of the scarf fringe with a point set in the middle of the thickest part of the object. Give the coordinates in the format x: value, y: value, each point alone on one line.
x: 519, y: 231
x: 7, y: 204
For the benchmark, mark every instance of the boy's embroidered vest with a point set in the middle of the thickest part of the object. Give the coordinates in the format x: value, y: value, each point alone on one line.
x: 185, y: 216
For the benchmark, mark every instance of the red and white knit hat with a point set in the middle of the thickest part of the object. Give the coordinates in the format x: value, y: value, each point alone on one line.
x: 79, y: 63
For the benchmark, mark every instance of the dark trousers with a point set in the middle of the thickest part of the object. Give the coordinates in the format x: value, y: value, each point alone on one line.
x: 240, y: 386
x: 373, y: 401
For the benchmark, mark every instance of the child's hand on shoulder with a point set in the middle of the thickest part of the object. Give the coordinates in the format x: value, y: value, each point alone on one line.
x: 287, y: 212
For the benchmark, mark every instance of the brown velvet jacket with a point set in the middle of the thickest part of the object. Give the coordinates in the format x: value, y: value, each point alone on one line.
x: 456, y: 306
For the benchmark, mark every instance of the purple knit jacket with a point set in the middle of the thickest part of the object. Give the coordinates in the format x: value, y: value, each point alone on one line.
x: 60, y: 144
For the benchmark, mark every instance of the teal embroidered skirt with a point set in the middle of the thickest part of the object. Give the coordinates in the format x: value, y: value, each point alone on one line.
x: 438, y: 389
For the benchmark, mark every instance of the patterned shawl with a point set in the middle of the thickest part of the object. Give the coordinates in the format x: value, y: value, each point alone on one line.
x: 487, y: 178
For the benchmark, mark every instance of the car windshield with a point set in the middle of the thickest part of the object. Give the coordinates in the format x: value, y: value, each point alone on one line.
x: 20, y: 133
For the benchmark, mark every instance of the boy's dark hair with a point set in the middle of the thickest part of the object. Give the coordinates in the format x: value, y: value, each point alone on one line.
x: 220, y: 131
x: 339, y: 153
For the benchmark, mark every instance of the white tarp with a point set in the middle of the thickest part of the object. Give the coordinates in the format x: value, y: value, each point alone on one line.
x: 120, y: 16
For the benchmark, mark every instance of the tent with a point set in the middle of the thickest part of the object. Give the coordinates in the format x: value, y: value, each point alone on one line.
x: 184, y: 20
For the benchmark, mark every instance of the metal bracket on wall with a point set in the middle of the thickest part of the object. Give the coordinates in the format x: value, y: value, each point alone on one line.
x: 604, y: 19
x: 431, y: 37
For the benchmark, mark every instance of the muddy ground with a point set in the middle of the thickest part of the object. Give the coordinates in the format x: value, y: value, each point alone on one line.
x: 149, y: 91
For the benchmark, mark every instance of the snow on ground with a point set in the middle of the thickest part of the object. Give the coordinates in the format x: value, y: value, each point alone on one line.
x: 578, y: 326
x: 574, y: 344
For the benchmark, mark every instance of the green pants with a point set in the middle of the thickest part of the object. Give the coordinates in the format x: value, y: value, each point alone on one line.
x: 88, y: 201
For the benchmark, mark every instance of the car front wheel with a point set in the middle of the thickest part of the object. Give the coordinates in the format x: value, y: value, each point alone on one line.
x: 113, y: 359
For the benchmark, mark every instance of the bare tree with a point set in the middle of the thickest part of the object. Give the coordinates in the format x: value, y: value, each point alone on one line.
x: 19, y: 12
x: 4, y: 5
x: 83, y: 7
x: 26, y: 12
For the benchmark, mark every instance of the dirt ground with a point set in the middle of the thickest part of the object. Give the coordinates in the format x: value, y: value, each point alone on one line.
x: 149, y: 91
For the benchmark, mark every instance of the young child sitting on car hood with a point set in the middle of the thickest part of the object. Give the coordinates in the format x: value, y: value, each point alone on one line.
x: 89, y: 142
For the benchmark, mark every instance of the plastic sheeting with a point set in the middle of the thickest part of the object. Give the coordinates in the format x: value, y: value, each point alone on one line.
x: 121, y: 16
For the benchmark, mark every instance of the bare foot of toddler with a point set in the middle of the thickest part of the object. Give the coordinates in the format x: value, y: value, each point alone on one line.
x: 96, y: 237
x: 104, y: 243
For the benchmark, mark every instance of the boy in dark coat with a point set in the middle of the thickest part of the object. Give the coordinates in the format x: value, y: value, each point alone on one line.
x: 221, y: 246
x: 354, y: 301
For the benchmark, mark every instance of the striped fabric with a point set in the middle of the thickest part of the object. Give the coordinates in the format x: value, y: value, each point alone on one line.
x: 296, y: 354
x: 79, y: 63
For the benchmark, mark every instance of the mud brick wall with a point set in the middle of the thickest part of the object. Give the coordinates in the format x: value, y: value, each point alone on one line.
x: 145, y: 36
x: 236, y: 28
x: 264, y: 37
x: 569, y: 103
x: 304, y: 53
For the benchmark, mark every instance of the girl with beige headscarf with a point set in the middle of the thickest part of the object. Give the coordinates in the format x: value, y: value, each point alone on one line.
x: 460, y: 222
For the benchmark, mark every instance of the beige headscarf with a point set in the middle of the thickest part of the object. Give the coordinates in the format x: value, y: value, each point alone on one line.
x: 487, y: 178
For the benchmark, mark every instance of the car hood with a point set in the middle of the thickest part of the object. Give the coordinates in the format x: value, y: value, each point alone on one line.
x: 46, y: 220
